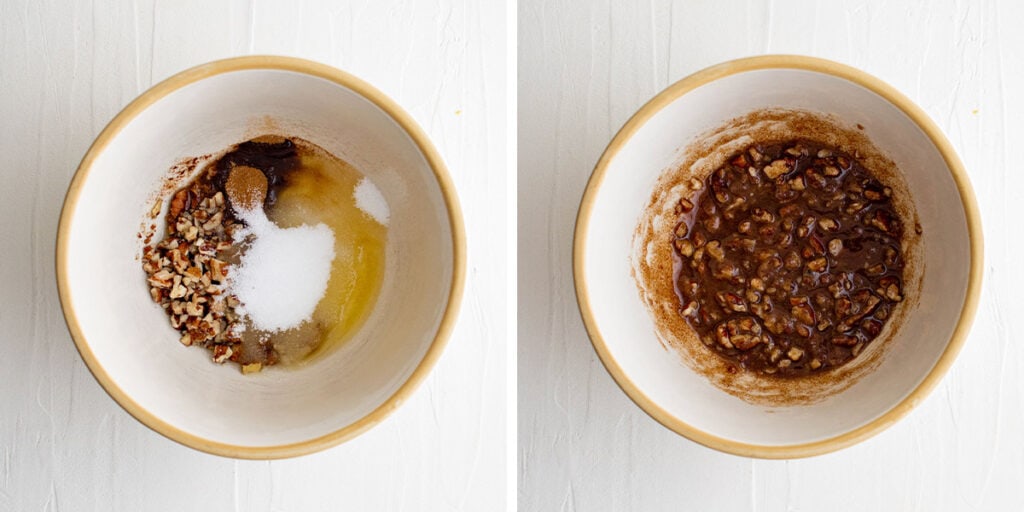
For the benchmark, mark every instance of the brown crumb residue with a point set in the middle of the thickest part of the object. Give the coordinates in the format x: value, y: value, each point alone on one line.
x: 652, y: 261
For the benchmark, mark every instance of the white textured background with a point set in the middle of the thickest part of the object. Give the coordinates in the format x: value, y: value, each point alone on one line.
x: 584, y: 68
x: 66, y: 68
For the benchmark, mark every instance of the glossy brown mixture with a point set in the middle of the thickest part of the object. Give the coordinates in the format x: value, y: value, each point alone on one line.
x: 788, y: 259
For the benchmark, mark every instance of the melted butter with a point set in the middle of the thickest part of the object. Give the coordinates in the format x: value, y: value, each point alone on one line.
x: 322, y: 190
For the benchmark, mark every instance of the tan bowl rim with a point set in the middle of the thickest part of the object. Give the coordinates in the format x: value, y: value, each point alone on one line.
x: 343, y: 79
x: 888, y: 93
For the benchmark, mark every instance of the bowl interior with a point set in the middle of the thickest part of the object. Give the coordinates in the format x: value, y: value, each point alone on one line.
x: 129, y: 335
x: 624, y: 326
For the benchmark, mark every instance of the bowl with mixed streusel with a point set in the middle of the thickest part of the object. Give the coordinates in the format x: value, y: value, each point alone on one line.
x: 778, y: 256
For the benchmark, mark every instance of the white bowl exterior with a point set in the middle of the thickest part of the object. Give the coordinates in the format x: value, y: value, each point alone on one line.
x: 129, y: 334
x: 628, y: 331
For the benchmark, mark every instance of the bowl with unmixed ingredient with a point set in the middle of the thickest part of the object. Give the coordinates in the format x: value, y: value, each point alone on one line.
x: 260, y: 257
x: 778, y: 256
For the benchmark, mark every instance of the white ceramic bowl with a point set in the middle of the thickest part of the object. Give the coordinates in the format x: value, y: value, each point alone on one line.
x: 125, y: 338
x: 653, y: 140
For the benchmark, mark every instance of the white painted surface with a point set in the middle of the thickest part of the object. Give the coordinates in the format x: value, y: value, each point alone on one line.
x: 584, y: 68
x: 65, y: 70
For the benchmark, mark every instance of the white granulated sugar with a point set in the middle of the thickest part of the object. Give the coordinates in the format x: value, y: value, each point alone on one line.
x: 283, y: 273
x: 370, y: 200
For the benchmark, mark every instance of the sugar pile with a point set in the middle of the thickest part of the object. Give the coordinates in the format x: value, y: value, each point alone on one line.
x: 283, y: 273
x: 370, y: 200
